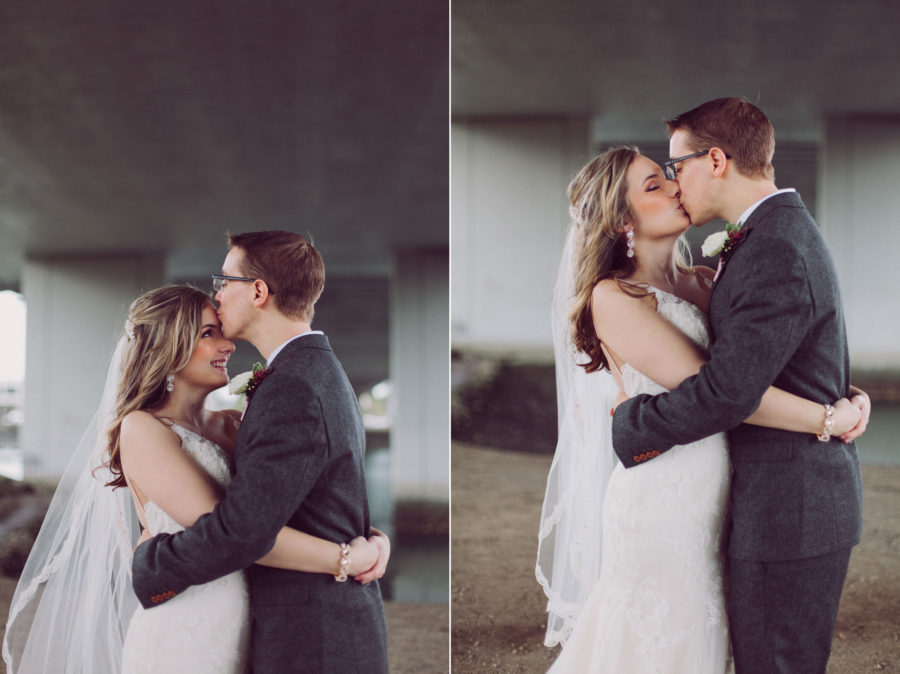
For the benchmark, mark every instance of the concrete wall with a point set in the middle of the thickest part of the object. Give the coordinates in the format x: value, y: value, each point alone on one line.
x: 76, y: 311
x: 508, y: 219
x: 860, y: 218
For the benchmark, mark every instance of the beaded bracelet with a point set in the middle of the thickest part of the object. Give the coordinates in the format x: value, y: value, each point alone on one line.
x: 341, y: 575
x: 825, y: 435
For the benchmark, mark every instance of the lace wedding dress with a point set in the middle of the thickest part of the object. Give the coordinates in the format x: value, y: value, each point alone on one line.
x: 658, y: 606
x: 206, y: 628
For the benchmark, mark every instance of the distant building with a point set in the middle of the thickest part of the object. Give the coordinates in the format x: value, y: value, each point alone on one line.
x: 12, y: 398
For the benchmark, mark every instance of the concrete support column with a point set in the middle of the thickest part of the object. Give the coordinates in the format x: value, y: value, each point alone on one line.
x: 419, y: 365
x: 76, y: 310
x: 509, y: 216
x: 859, y: 212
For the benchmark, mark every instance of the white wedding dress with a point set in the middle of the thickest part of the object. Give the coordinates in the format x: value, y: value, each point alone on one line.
x: 206, y: 628
x: 658, y: 606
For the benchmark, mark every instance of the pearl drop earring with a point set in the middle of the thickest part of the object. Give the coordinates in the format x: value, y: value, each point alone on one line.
x: 170, y: 382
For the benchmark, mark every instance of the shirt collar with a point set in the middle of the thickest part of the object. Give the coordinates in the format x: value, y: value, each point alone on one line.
x: 746, y: 214
x: 284, y: 344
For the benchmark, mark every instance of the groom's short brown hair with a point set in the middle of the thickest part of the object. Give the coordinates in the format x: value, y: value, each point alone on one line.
x: 289, y: 264
x: 737, y: 127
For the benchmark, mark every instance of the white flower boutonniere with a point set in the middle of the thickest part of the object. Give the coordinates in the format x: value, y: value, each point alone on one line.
x: 238, y: 383
x: 246, y: 383
x: 722, y: 243
x: 712, y: 246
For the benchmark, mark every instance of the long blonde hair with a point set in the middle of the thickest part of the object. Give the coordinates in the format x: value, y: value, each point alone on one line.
x: 600, y: 209
x: 163, y: 327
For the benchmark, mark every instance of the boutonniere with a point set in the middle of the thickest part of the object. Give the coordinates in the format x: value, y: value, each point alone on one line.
x: 246, y: 383
x: 724, y: 242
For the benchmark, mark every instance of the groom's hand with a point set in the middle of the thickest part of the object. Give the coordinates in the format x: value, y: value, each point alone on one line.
x: 383, y: 544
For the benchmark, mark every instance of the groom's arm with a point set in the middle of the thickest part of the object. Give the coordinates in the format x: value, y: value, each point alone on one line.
x: 769, y: 316
x: 284, y: 449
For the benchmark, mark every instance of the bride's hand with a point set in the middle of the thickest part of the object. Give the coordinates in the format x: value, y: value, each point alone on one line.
x: 363, y: 555
x: 860, y: 400
x: 145, y: 536
x: 847, y: 417
x: 620, y: 398
x: 383, y: 543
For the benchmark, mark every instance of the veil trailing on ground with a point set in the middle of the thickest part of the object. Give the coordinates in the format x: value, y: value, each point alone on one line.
x: 569, y: 541
x: 74, y: 599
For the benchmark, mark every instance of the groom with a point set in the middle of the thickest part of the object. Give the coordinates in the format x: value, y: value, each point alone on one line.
x: 776, y: 319
x: 299, y: 462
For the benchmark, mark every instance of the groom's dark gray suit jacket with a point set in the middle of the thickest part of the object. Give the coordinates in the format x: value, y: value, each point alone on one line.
x: 299, y: 463
x: 776, y: 319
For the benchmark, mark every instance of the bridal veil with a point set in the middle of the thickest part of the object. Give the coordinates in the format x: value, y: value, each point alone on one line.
x: 570, y: 536
x: 74, y: 600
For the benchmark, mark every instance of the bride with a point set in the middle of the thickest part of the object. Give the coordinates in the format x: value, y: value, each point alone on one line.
x: 74, y: 609
x: 630, y: 316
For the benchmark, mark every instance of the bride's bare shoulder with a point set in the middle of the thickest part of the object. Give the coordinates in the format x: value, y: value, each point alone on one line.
x: 140, y: 428
x: 621, y: 296
x: 141, y: 420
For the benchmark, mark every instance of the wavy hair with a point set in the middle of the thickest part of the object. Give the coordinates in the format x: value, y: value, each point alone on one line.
x: 599, y: 205
x: 166, y: 324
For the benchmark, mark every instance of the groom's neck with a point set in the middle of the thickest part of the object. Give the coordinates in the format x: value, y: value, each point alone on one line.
x: 742, y: 195
x: 270, y: 332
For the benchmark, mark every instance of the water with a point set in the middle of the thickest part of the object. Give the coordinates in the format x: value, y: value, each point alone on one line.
x: 419, y: 568
x: 881, y: 442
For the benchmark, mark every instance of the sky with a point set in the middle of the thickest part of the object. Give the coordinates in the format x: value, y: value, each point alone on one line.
x: 12, y: 337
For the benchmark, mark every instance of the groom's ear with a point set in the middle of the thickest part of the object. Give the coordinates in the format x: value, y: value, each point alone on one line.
x: 719, y: 161
x: 260, y: 292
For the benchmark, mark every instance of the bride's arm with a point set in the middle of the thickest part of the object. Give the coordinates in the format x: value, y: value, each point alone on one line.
x: 161, y: 471
x: 636, y: 334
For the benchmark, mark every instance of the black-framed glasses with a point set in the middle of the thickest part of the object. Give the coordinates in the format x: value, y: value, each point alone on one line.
x: 218, y: 280
x: 669, y: 166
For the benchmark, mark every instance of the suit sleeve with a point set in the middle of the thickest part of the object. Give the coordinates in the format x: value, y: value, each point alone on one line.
x: 769, y: 314
x: 284, y: 448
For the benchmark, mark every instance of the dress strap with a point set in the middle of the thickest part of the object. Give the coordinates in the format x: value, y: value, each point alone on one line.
x: 613, y: 367
x: 142, y: 516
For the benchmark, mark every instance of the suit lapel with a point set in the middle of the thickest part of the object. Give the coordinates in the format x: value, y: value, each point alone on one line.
x: 757, y: 218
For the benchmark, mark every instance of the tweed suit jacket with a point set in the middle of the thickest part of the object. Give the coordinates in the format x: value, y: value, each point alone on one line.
x: 299, y: 462
x: 775, y: 319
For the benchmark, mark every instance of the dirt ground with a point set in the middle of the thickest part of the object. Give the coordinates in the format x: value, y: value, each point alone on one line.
x: 498, y: 609
x: 417, y: 634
